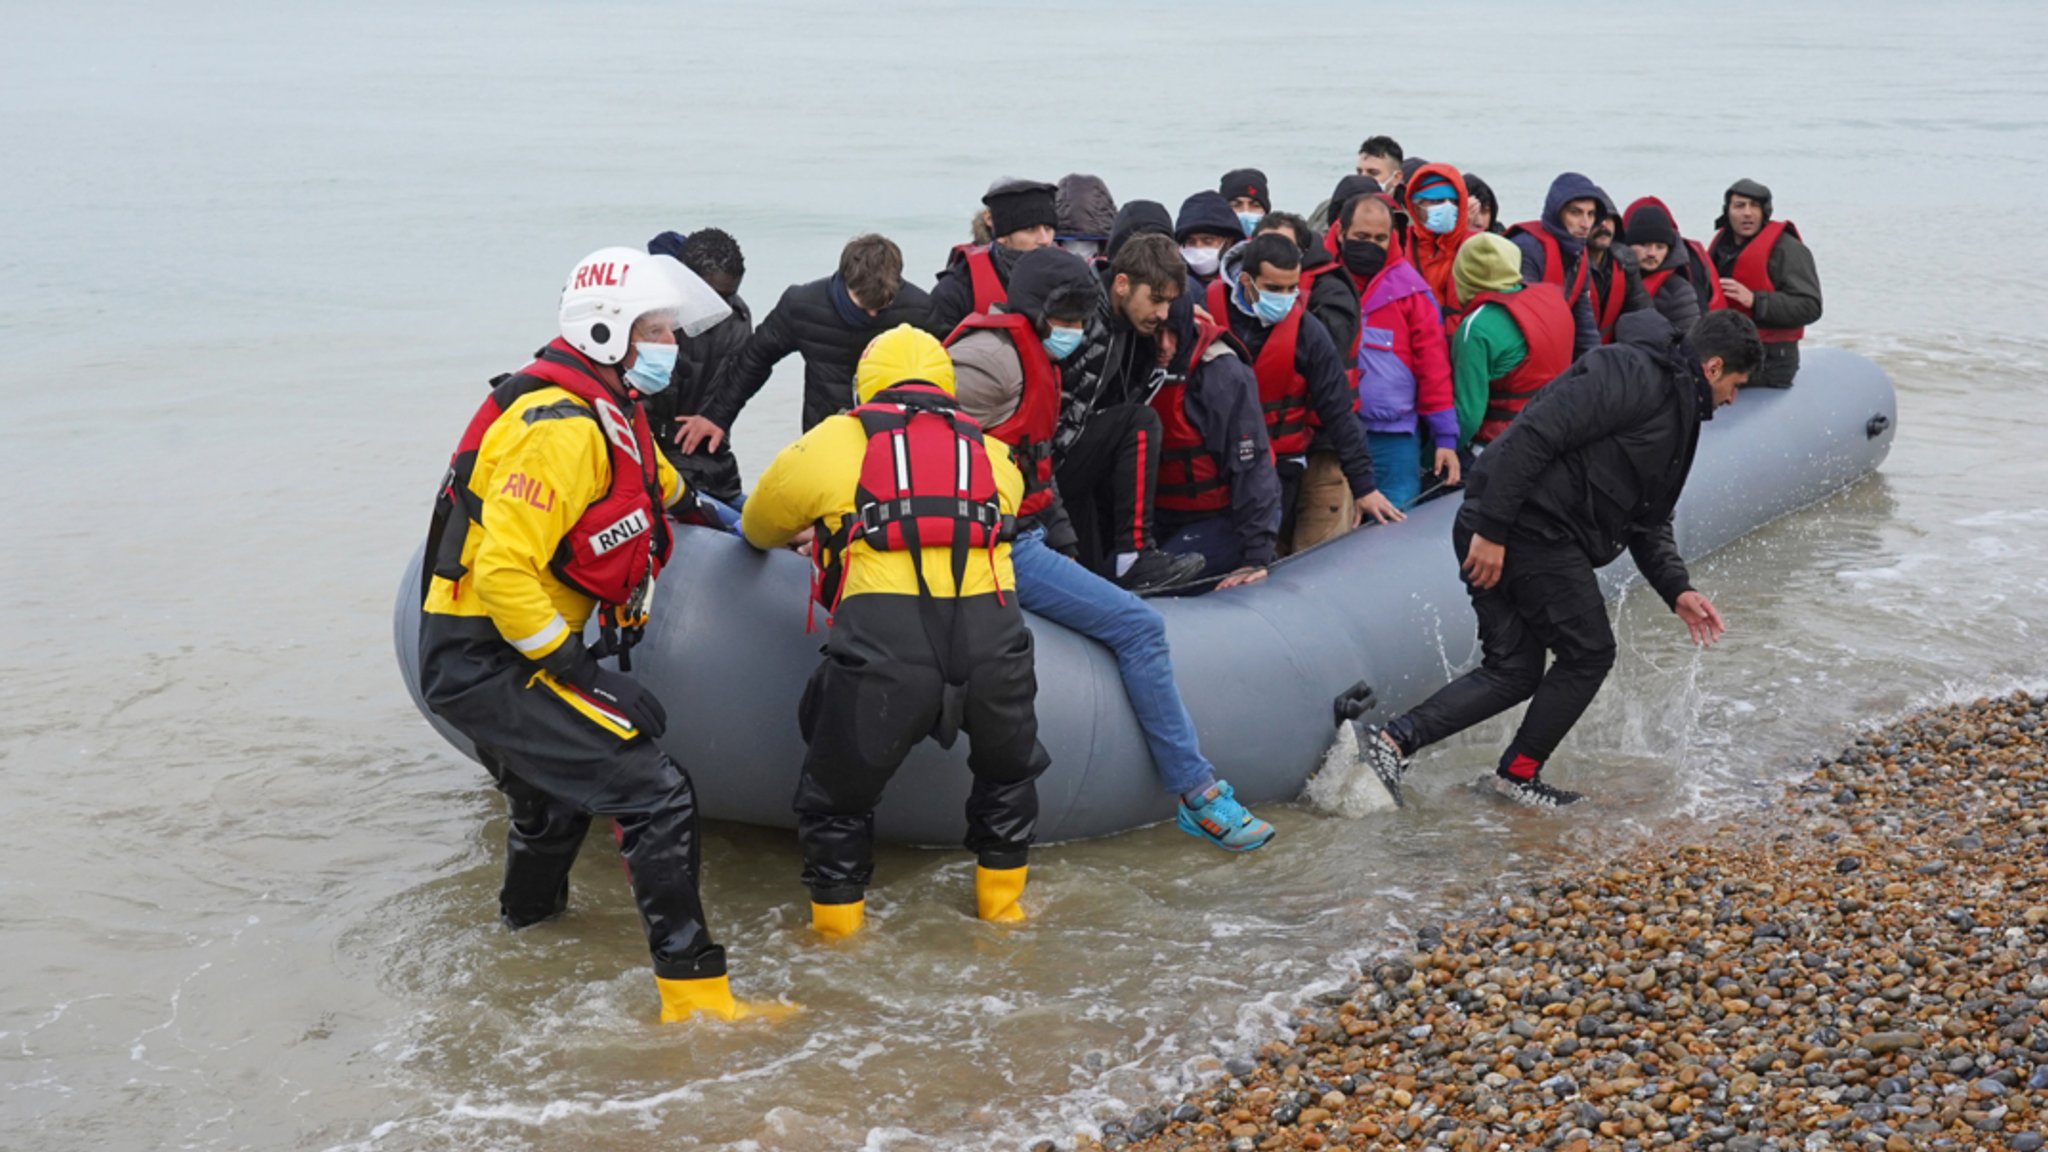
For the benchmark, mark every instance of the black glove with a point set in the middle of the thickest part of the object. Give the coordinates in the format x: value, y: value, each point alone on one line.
x: 573, y: 665
x: 626, y: 695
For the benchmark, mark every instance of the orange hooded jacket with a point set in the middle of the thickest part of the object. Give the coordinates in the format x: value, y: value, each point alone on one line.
x: 1432, y: 254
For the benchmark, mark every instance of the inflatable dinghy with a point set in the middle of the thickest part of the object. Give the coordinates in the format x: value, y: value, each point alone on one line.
x: 1260, y: 667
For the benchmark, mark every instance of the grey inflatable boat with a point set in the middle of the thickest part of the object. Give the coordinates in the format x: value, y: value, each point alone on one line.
x: 1260, y: 667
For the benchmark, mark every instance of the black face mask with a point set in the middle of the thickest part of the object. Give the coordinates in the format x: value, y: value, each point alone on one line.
x: 1363, y: 258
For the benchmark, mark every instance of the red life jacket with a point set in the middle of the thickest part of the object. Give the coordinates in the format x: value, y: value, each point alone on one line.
x: 1699, y: 273
x: 1753, y: 271
x: 1545, y: 321
x: 1028, y: 431
x: 925, y: 482
x: 1283, y: 391
x: 1192, y: 479
x: 1553, y: 260
x: 1607, y: 304
x: 989, y: 289
x: 619, y: 544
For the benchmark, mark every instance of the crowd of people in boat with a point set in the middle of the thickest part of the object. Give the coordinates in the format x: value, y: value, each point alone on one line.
x: 1093, y: 403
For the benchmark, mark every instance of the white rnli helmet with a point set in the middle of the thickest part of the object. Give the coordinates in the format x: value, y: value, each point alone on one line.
x: 612, y: 288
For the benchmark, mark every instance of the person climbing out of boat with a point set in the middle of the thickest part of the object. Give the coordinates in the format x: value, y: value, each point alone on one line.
x: 1023, y: 216
x: 1592, y: 468
x: 1553, y: 250
x: 1513, y: 338
x: 1434, y: 199
x: 1219, y: 494
x: 1104, y: 447
x: 1250, y: 197
x: 911, y: 506
x: 1086, y: 213
x: 1302, y: 385
x: 552, y: 509
x: 698, y: 450
x: 827, y: 322
x: 1677, y: 275
x: 1205, y: 229
x: 1005, y: 367
x: 1612, y: 277
x: 1404, y: 364
x: 1767, y: 274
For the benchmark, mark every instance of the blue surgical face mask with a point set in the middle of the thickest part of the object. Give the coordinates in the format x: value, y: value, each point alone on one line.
x: 1061, y: 342
x: 1441, y: 217
x: 1249, y: 221
x: 1273, y: 307
x: 653, y: 366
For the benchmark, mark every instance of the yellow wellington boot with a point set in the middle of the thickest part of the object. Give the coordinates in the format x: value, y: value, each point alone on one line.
x: 996, y: 892
x: 838, y: 921
x: 712, y: 995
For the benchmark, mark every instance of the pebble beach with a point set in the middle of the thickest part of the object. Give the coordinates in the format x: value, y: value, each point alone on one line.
x: 1866, y: 968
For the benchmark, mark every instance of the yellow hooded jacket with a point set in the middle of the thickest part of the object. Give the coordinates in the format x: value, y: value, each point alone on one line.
x: 814, y: 479
x: 538, y: 468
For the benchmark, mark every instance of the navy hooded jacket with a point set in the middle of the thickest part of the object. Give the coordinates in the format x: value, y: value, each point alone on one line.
x: 1566, y: 188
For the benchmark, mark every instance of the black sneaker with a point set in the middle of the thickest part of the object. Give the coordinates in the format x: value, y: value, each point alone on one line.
x: 1533, y: 792
x: 1155, y: 571
x: 1386, y: 761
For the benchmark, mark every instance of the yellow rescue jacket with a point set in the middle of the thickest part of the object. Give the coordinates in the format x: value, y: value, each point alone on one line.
x: 815, y: 479
x: 536, y: 474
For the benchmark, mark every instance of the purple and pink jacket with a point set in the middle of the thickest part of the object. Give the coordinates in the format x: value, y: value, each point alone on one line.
x: 1404, y: 362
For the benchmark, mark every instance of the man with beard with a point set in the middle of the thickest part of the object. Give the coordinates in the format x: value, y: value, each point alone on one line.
x: 1767, y: 274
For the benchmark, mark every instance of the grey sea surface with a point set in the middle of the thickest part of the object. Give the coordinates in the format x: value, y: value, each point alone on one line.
x: 257, y: 260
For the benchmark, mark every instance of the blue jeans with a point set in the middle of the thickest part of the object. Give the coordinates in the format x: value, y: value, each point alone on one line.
x: 1213, y: 538
x: 1397, y: 464
x: 1059, y: 589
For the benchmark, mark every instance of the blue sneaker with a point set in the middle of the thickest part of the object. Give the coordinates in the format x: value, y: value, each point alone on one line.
x: 1222, y: 821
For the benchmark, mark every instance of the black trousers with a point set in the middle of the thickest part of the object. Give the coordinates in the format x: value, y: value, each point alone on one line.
x: 877, y: 694
x: 1780, y: 366
x: 558, y: 767
x: 1108, y: 479
x: 1547, y: 602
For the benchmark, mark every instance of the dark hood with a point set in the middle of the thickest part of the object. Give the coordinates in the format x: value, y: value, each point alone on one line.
x: 1570, y: 186
x: 1136, y: 219
x: 1084, y: 206
x: 1751, y: 189
x: 668, y: 244
x: 1052, y: 280
x: 1480, y: 190
x: 1206, y: 212
x: 1347, y: 188
x: 1646, y: 328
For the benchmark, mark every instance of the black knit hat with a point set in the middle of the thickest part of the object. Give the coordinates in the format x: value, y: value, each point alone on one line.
x: 1247, y: 182
x: 1649, y: 224
x: 1014, y: 205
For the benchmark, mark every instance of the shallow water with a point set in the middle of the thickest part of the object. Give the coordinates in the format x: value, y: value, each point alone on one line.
x: 259, y: 258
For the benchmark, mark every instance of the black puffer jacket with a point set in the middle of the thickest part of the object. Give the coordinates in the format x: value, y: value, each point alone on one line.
x: 1599, y: 457
x: 810, y: 319
x: 702, y: 362
x: 1333, y: 299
